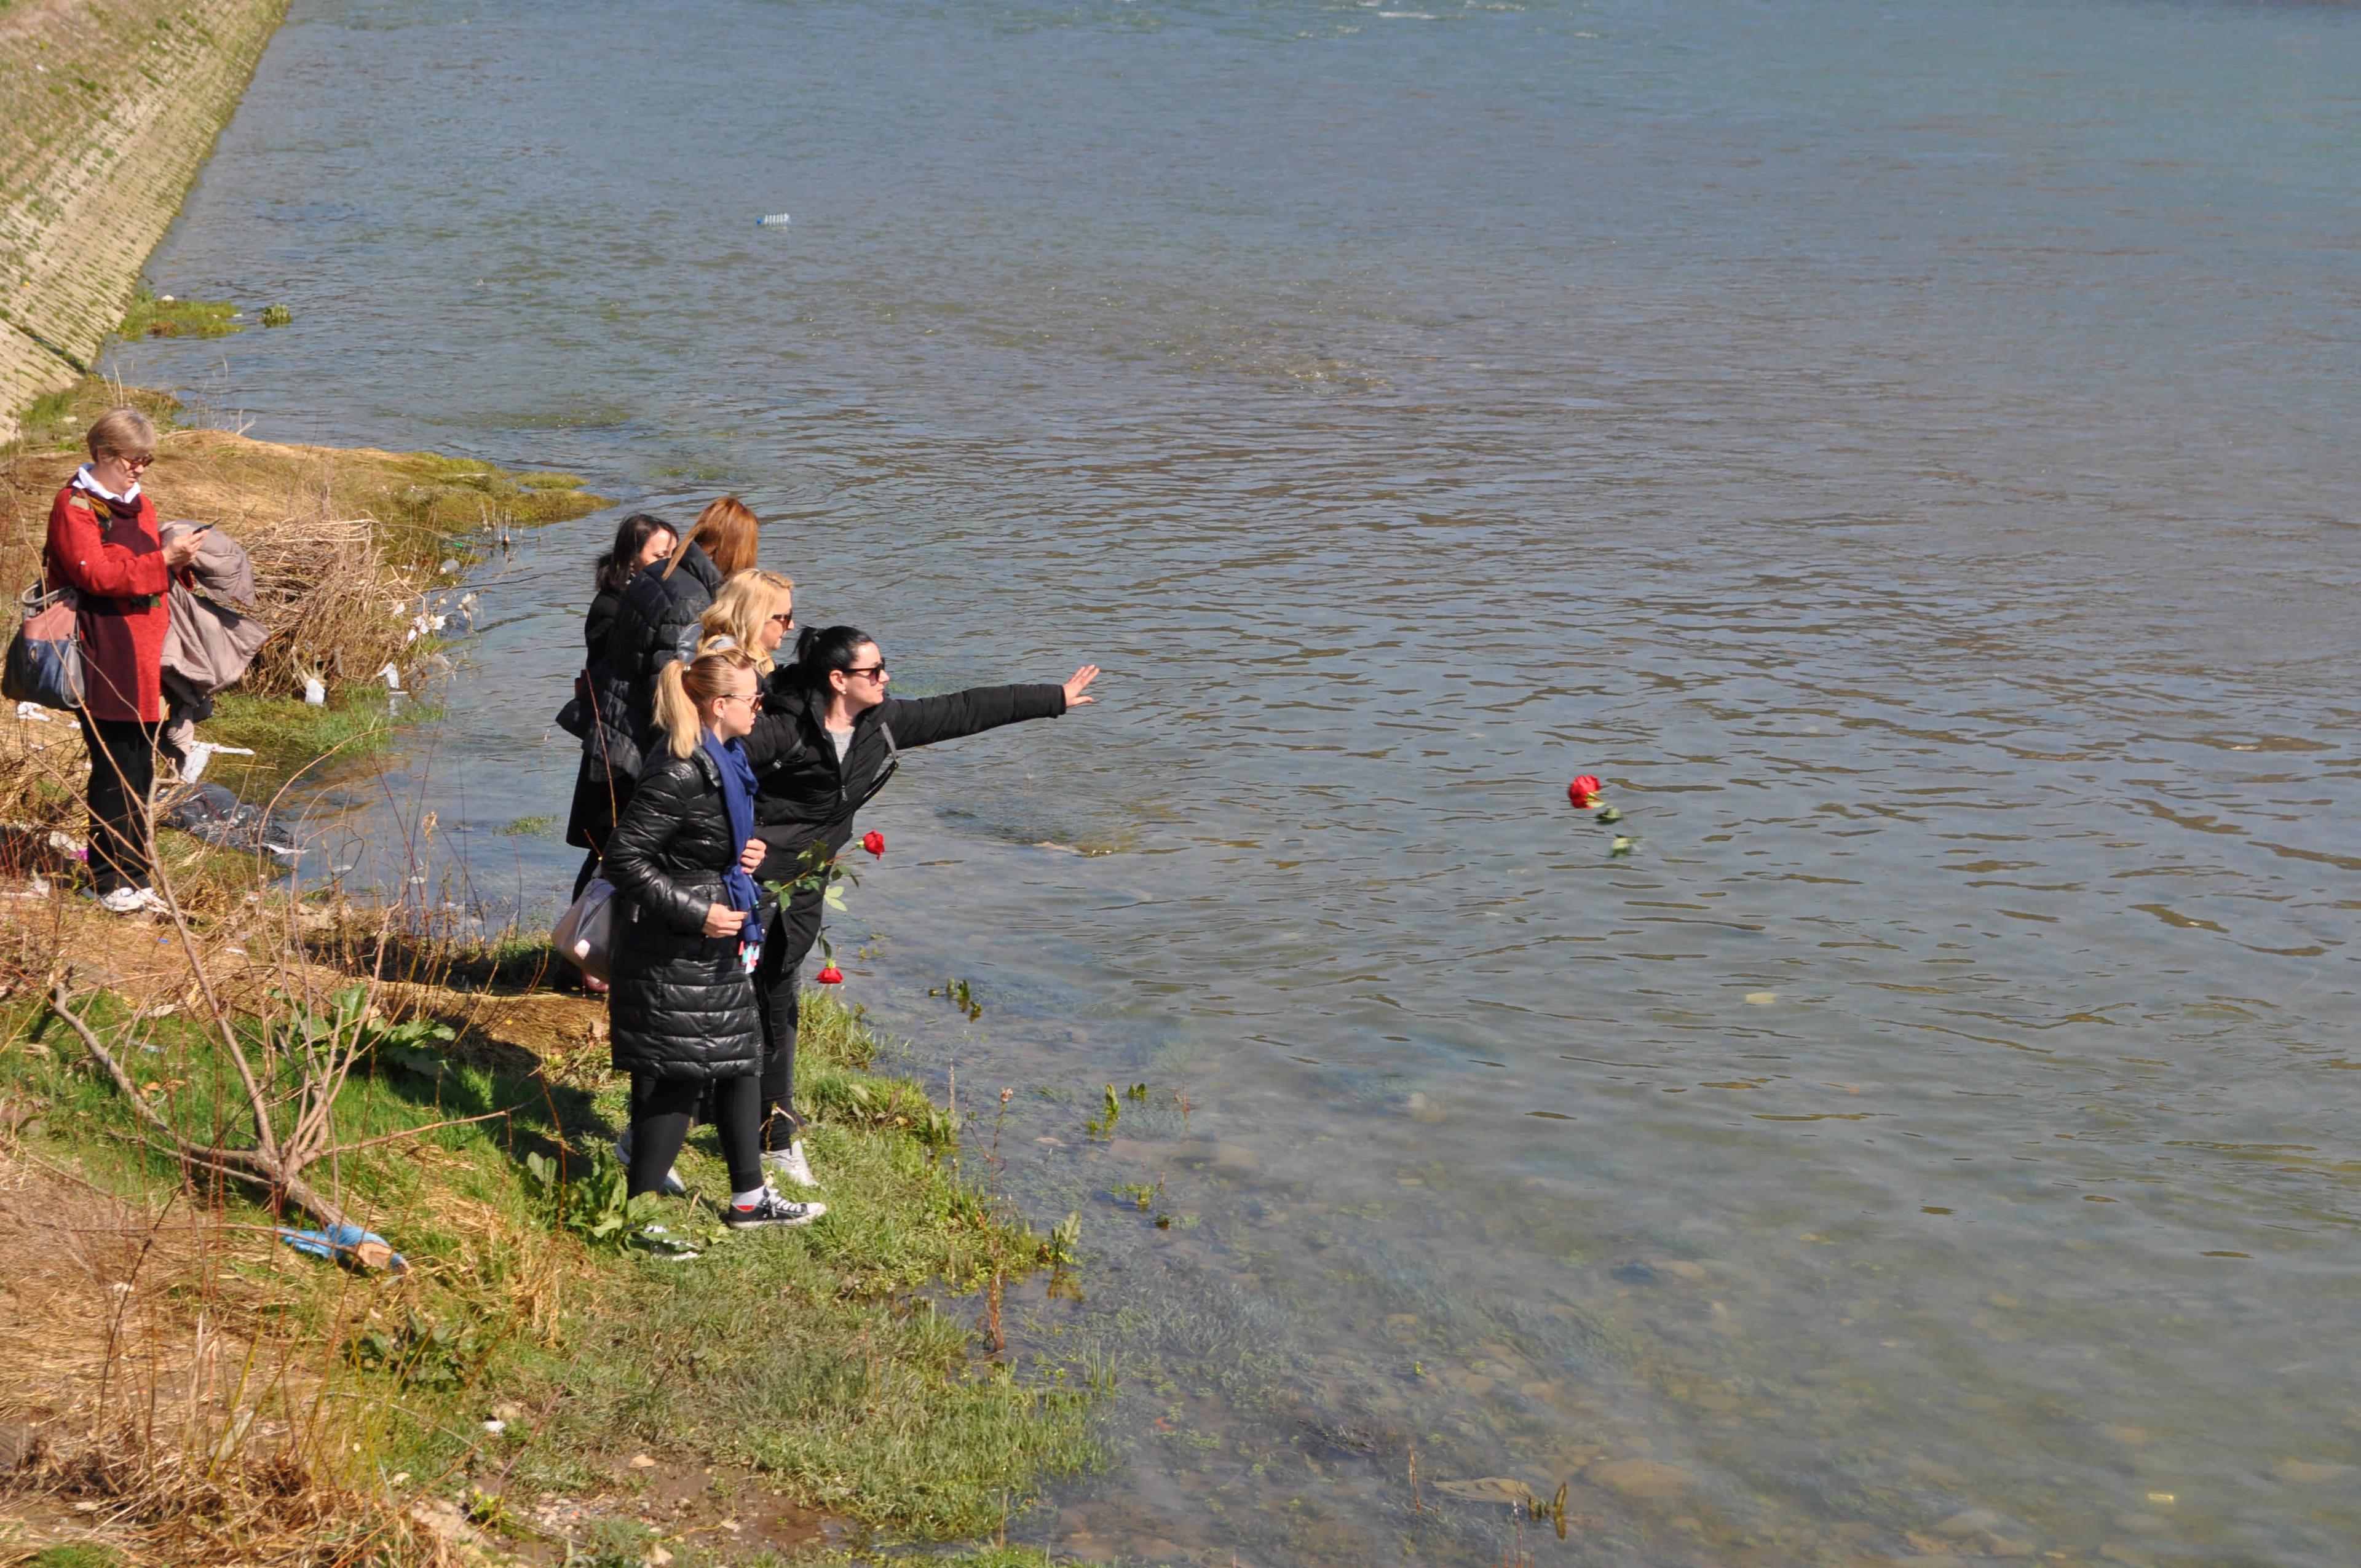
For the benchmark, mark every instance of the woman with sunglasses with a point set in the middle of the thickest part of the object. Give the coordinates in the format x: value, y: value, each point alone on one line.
x: 103, y: 543
x: 823, y: 748
x: 754, y: 610
x: 685, y: 1022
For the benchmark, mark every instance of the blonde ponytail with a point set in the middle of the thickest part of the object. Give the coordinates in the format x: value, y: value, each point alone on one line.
x: 682, y: 689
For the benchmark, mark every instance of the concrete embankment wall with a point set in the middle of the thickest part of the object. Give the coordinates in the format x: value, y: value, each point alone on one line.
x: 107, y: 110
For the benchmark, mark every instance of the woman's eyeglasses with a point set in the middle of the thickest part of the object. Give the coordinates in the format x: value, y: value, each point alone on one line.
x: 785, y: 617
x: 879, y: 671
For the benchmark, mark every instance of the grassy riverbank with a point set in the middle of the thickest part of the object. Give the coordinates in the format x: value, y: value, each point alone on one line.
x: 780, y: 1391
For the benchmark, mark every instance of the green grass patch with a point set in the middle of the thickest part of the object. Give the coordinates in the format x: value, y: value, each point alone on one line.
x: 57, y: 421
x: 290, y: 736
x: 156, y: 315
x: 807, y: 1354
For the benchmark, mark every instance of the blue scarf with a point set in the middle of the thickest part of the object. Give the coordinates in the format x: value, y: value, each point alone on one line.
x: 738, y: 805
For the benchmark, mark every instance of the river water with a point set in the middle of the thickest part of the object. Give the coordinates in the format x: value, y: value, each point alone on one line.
x: 1905, y: 450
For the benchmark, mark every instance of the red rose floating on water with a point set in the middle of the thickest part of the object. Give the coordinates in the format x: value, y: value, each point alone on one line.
x: 1584, y: 790
x: 831, y: 975
x: 875, y: 843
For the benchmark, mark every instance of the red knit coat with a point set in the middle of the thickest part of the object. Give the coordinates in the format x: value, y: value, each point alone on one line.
x: 110, y: 551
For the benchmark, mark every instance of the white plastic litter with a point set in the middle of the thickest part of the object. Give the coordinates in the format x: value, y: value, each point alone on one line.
x: 203, y: 751
x: 772, y: 221
x: 313, y: 692
x: 392, y: 677
x: 32, y: 713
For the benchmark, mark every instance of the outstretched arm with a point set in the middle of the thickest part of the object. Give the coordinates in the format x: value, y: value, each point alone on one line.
x: 922, y: 721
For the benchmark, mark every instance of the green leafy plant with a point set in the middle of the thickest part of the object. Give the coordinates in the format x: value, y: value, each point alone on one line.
x: 276, y: 315
x: 1139, y: 1194
x: 418, y: 1353
x: 961, y: 995
x: 596, y: 1203
x: 1102, y: 1124
x: 1062, y: 1246
x: 819, y: 868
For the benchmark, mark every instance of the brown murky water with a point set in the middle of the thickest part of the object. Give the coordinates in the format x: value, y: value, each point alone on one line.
x: 1906, y: 453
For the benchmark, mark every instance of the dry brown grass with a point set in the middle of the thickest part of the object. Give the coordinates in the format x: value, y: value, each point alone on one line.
x: 151, y: 1410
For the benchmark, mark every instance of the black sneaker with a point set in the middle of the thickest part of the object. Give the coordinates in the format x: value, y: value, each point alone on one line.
x: 771, y: 1208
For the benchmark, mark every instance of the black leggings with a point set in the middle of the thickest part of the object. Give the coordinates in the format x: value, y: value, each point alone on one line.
x: 778, y: 983
x: 663, y: 1109
x: 122, y: 773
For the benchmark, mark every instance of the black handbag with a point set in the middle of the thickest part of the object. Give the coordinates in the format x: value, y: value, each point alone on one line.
x: 575, y: 717
x: 44, y: 661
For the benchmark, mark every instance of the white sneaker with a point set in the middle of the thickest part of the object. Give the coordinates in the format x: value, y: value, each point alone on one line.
x: 790, y: 1163
x: 133, y: 901
x: 673, y: 1185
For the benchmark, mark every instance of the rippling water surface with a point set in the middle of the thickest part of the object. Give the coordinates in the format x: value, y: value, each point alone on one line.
x: 1906, y: 451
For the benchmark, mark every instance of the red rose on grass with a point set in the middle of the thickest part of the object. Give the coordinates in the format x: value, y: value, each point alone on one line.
x: 875, y: 843
x: 1584, y: 790
x: 831, y: 975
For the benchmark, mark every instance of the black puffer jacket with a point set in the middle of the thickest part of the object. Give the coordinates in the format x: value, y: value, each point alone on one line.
x: 610, y: 755
x: 683, y: 1005
x: 656, y: 625
x: 806, y: 797
x: 611, y: 746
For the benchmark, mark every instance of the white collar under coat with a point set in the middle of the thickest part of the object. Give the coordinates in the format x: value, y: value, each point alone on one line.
x: 83, y: 480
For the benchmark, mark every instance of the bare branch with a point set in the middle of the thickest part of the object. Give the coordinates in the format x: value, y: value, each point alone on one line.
x: 413, y: 1132
x: 58, y: 999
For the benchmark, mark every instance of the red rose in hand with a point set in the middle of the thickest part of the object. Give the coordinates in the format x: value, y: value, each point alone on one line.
x: 875, y: 843
x: 1584, y: 790
x: 831, y: 975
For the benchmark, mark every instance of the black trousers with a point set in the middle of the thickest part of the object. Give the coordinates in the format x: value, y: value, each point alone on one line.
x: 779, y: 985
x: 663, y: 1109
x: 121, y: 773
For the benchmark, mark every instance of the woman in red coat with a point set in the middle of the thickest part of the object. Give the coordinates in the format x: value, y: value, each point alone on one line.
x: 103, y: 543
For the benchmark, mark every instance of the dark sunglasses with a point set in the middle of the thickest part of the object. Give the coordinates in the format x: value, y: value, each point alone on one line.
x: 877, y: 670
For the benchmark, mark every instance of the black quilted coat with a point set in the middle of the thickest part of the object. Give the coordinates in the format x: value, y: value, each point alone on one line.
x: 611, y: 757
x: 683, y: 1005
x: 806, y: 797
x: 655, y: 625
